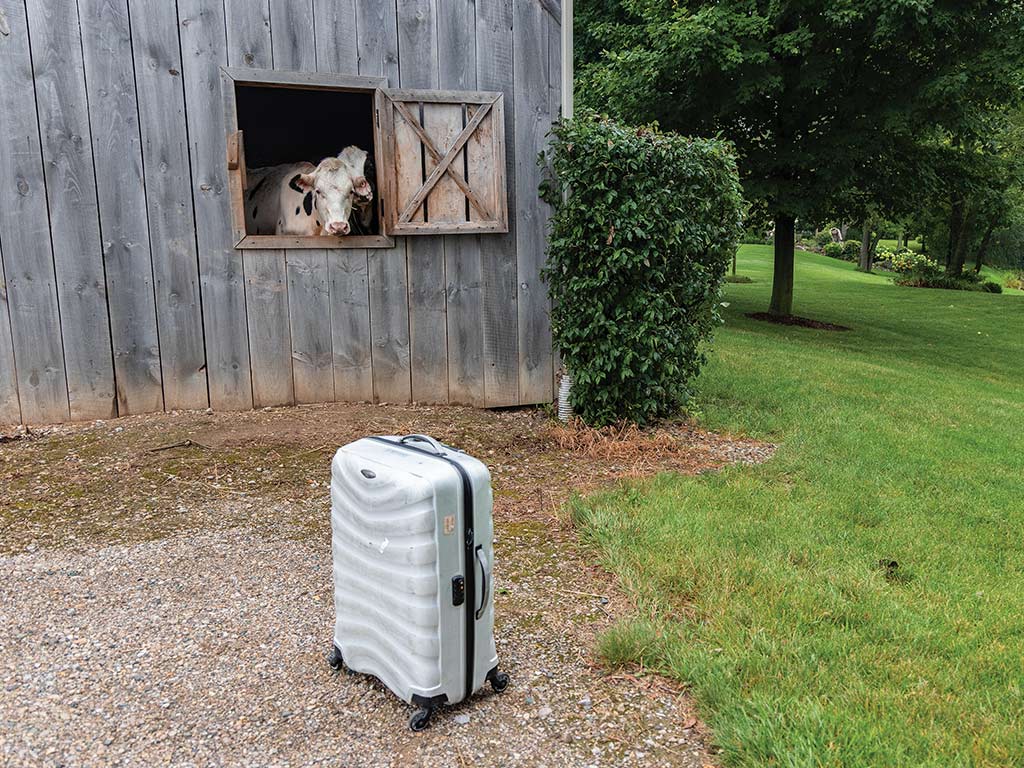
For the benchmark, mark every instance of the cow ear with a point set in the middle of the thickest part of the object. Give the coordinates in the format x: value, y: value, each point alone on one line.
x: 306, y: 181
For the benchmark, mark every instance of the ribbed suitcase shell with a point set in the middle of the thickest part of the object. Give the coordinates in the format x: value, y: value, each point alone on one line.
x: 399, y: 537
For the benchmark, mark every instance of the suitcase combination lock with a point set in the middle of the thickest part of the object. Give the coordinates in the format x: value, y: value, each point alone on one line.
x: 458, y: 590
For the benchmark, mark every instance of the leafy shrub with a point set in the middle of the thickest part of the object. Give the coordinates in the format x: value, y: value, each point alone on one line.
x: 906, y: 262
x: 883, y: 259
x: 823, y: 239
x: 637, y: 256
x: 990, y: 287
x: 851, y: 250
x: 834, y: 250
x: 1016, y: 280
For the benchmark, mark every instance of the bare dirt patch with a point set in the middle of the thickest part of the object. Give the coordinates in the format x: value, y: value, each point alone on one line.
x: 165, y: 596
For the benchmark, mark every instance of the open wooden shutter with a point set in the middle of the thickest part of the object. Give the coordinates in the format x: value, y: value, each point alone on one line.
x: 442, y: 169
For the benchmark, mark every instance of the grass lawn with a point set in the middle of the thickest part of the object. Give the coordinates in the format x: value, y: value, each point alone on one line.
x: 914, y: 245
x: 859, y: 599
x: 999, y: 275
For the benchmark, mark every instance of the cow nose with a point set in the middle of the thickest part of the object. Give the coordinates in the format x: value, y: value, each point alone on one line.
x: 337, y: 228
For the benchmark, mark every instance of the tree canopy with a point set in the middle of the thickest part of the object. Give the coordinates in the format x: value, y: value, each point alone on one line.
x: 833, y: 105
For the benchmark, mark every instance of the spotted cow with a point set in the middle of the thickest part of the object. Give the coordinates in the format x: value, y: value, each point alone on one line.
x: 303, y: 199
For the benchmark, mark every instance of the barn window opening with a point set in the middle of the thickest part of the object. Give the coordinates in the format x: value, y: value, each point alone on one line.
x: 292, y: 134
x: 334, y: 161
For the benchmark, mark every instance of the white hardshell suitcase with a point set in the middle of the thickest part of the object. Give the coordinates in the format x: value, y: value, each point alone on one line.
x: 412, y: 540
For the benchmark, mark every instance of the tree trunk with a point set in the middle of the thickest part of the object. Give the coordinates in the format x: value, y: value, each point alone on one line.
x: 735, y: 251
x: 956, y: 223
x: 960, y: 248
x: 865, y: 247
x: 782, y: 279
x: 979, y: 257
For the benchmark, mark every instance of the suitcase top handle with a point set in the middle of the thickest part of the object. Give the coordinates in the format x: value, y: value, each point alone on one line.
x: 438, y: 448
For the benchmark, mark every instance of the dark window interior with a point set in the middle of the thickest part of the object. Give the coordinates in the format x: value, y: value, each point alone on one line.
x: 290, y: 125
x: 287, y: 125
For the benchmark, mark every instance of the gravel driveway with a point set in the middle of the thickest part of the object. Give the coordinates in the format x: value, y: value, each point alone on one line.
x: 204, y: 642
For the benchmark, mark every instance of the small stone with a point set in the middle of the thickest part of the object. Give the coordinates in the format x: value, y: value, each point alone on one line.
x: 544, y: 712
x: 461, y: 719
x: 528, y: 699
x: 586, y: 703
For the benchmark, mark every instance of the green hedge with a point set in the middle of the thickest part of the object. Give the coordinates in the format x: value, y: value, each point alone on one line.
x: 637, y: 257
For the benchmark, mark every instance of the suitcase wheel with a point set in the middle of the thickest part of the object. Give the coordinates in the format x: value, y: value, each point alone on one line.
x: 499, y: 682
x: 420, y: 719
x: 334, y: 659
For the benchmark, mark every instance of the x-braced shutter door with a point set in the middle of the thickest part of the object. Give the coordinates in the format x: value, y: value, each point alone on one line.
x: 442, y: 164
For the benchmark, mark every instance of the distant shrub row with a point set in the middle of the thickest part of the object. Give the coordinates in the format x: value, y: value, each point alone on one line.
x: 916, y: 270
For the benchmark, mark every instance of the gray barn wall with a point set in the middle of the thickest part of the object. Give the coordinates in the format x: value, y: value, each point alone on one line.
x: 120, y: 291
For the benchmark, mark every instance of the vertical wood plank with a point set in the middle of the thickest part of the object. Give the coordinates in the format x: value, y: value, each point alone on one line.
x: 247, y: 24
x: 377, y: 39
x: 377, y: 46
x: 554, y: 68
x: 456, y: 43
x: 428, y: 342
x: 336, y: 52
x: 267, y: 312
x: 161, y: 101
x: 532, y: 123
x: 408, y: 161
x: 292, y: 27
x: 482, y: 157
x: 389, y: 325
x: 498, y: 252
x: 270, y: 347
x: 443, y: 123
x: 25, y: 234
x: 336, y: 49
x: 457, y: 70
x: 555, y: 108
x: 74, y: 219
x: 310, y: 311
x: 116, y: 145
x: 221, y: 276
x: 350, y: 325
x: 417, y: 42
x: 10, y: 407
x: 465, y: 311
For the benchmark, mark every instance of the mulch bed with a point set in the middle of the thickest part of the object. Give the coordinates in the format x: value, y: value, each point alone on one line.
x: 802, y: 322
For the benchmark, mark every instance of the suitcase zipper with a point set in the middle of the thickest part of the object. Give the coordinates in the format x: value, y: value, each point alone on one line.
x: 470, y: 553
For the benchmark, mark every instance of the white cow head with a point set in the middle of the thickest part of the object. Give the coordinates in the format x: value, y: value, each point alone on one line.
x: 355, y: 158
x: 336, y: 183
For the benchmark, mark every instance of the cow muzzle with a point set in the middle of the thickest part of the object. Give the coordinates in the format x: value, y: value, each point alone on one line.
x: 337, y: 228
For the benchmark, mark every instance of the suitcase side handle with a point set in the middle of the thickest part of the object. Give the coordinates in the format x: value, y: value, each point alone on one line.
x: 438, y: 448
x: 486, y: 580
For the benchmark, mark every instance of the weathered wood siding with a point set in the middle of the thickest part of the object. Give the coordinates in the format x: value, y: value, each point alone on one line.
x: 120, y: 289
